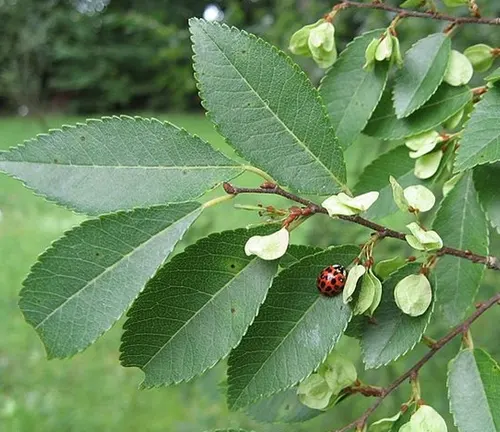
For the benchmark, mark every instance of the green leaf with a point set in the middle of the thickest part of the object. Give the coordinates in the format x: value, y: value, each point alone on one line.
x: 350, y: 92
x: 295, y: 253
x: 395, y: 333
x: 457, y: 280
x: 274, y: 120
x: 295, y: 329
x: 118, y: 163
x: 473, y: 383
x: 444, y: 104
x: 282, y: 407
x: 375, y: 177
x: 489, y: 191
x: 424, y: 66
x: 85, y: 281
x: 480, y: 142
x: 196, y: 308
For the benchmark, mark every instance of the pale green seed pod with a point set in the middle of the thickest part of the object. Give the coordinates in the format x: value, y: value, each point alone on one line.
x: 338, y: 371
x: 413, y: 295
x: 299, y: 41
x: 321, y: 43
x: 370, y: 51
x: 481, y: 57
x: 459, y: 71
x: 384, y: 48
x: 314, y: 392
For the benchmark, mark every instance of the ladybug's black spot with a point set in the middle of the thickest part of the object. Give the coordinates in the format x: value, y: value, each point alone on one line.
x: 323, y: 284
x: 329, y: 269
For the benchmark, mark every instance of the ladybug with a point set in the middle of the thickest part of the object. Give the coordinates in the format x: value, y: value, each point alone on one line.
x: 331, y: 280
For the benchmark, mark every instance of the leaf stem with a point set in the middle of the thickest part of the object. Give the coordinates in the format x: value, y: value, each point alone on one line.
x: 490, y: 262
x: 417, y: 14
x: 259, y: 172
x: 217, y: 200
x: 459, y: 329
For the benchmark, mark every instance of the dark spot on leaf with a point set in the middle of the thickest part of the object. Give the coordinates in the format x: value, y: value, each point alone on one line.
x: 97, y: 254
x: 287, y: 407
x: 243, y: 51
x: 184, y: 172
x: 233, y: 310
x: 233, y: 266
x: 82, y: 138
x: 56, y: 161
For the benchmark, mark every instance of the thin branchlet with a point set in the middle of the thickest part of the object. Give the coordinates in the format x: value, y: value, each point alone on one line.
x: 458, y: 330
x: 407, y: 13
x: 490, y: 262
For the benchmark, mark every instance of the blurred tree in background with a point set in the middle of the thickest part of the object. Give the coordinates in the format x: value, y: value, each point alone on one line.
x: 96, y: 56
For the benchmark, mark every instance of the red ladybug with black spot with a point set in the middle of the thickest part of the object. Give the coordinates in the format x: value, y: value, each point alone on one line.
x: 331, y: 280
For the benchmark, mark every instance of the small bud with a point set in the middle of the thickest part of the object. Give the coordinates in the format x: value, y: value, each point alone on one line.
x: 299, y: 40
x: 422, y: 239
x: 413, y: 295
x: 338, y: 371
x: 459, y: 71
x: 384, y: 268
x: 352, y: 279
x: 397, y: 58
x: 481, y: 57
x: 419, y: 197
x: 384, y: 48
x: 426, y: 166
x: 454, y: 120
x: 268, y: 247
x: 345, y: 205
x: 371, y: 49
x: 398, y: 195
x: 422, y: 143
x: 321, y: 43
x: 314, y: 392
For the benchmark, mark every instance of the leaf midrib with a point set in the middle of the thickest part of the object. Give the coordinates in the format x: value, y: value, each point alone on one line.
x: 421, y: 82
x: 297, y: 139
x: 214, y: 296
x: 272, y: 353
x: 145, y: 167
x: 425, y: 106
x: 112, y: 267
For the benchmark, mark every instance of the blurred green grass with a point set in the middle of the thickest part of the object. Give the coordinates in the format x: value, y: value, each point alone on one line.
x: 92, y: 391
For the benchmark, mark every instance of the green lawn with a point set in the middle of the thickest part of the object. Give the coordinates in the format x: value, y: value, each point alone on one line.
x: 92, y: 391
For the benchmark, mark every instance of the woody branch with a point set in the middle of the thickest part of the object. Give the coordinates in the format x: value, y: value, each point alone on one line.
x: 490, y: 262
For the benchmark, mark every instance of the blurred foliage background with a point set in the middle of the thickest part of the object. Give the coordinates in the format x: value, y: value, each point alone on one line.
x: 64, y: 60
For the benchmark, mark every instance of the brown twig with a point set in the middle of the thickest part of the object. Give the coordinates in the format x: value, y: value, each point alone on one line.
x: 459, y: 329
x: 417, y: 14
x: 490, y: 262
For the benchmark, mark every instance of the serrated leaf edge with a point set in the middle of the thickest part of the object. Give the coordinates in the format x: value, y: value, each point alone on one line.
x: 175, y: 382
x: 396, y: 81
x: 66, y: 233
x: 262, y: 395
x: 342, y: 54
x: 430, y: 314
x: 456, y: 170
x: 341, y: 183
x: 104, y: 119
x: 435, y: 125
